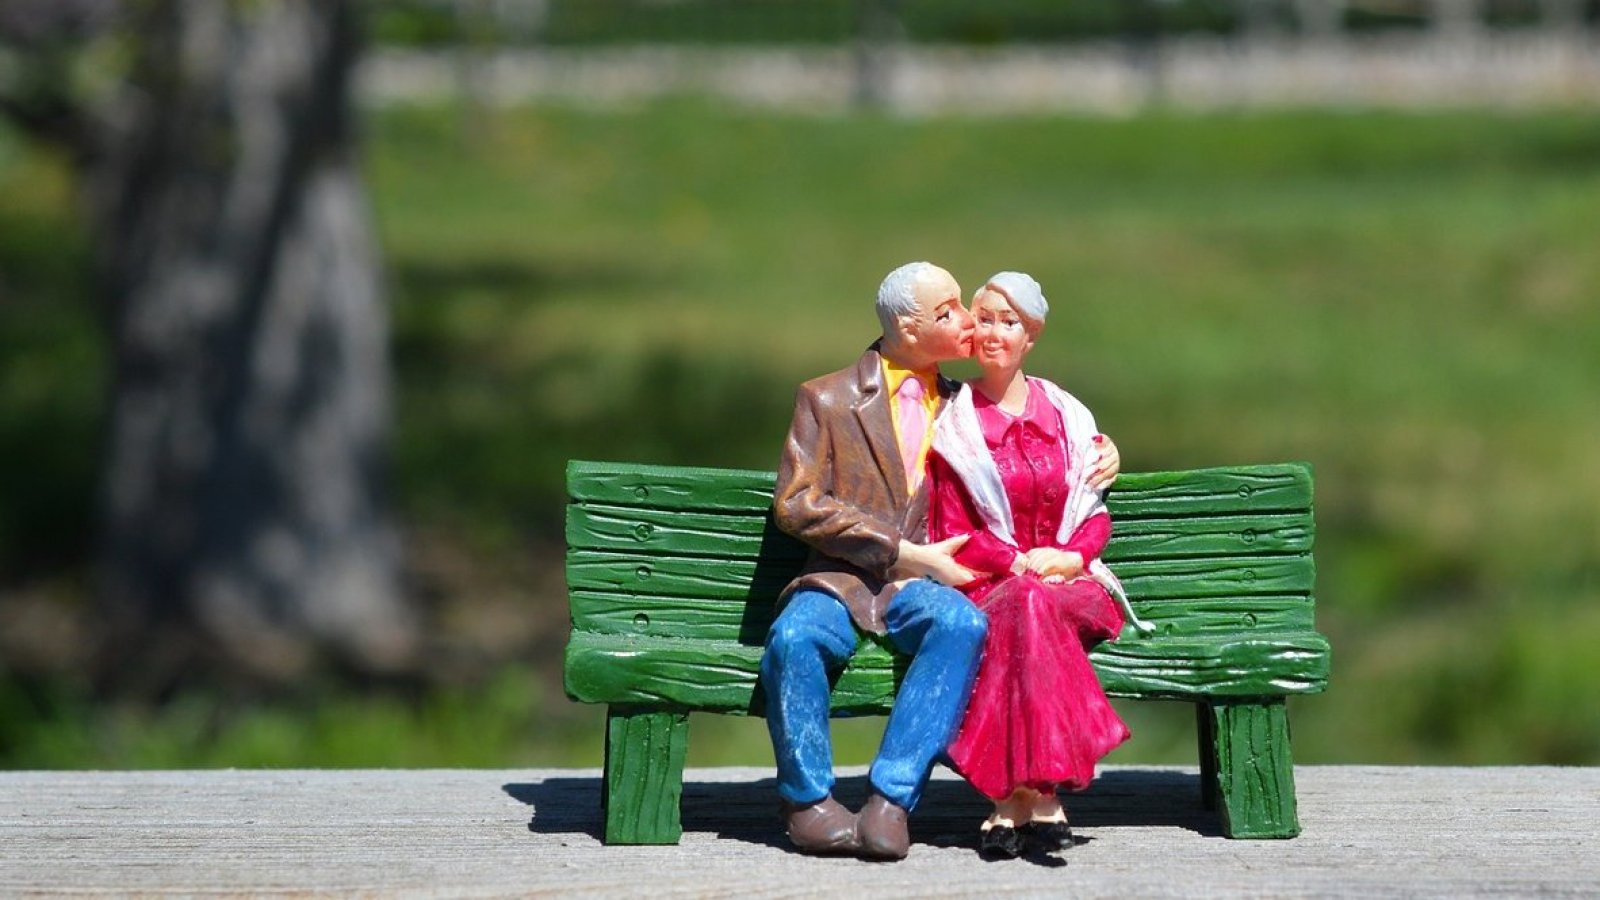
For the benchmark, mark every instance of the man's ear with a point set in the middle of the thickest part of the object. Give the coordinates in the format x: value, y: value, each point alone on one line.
x: 907, y: 325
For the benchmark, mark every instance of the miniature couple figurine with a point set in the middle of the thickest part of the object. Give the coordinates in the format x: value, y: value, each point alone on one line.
x: 965, y: 522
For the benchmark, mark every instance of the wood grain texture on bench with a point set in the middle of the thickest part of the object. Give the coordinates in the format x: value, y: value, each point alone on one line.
x: 671, y: 570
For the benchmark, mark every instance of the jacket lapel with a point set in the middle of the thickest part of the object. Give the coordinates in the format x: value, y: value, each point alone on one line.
x: 872, y: 409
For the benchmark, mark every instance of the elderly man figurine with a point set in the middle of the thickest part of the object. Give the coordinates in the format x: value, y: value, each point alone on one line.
x: 851, y: 486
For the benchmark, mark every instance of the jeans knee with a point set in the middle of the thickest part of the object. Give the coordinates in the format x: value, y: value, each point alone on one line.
x: 798, y: 642
x: 784, y: 640
x: 965, y: 623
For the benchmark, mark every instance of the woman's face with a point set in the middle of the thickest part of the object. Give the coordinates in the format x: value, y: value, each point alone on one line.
x: 1002, y: 337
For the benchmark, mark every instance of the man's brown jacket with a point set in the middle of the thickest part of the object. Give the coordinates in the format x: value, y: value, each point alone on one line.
x: 842, y: 488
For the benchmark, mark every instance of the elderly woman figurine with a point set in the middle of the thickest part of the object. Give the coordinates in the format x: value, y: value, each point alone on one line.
x: 1010, y: 468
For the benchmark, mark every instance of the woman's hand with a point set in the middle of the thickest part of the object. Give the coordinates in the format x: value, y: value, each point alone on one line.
x: 1054, y: 565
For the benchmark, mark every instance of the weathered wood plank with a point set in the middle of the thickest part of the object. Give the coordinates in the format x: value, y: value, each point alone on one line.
x: 741, y: 579
x: 1242, y: 616
x: 709, y: 675
x: 720, y: 676
x: 1282, y: 487
x: 1368, y: 831
x: 1225, y: 666
x: 731, y: 535
x: 1254, y: 772
x: 679, y: 617
x: 1209, y: 536
x: 747, y: 622
x: 727, y: 535
x: 669, y: 487
x: 1263, y: 488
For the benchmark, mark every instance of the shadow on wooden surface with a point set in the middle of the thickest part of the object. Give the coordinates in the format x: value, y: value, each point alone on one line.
x: 562, y: 805
x: 948, y: 815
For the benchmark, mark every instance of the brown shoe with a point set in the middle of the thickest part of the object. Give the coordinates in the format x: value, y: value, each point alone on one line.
x: 821, y: 827
x: 882, y: 829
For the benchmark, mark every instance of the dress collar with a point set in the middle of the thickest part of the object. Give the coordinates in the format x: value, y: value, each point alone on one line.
x: 996, y: 422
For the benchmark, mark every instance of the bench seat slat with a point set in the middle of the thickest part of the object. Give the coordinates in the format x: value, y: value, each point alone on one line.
x: 720, y: 676
x: 729, y: 535
x: 747, y: 623
x: 744, y: 579
x: 1233, y: 489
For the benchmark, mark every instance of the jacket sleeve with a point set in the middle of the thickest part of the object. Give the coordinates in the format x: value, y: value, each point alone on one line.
x: 807, y: 505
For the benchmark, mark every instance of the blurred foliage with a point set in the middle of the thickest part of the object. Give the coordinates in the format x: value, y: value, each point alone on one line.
x: 52, y: 367
x: 500, y: 722
x: 443, y: 23
x: 1407, y: 301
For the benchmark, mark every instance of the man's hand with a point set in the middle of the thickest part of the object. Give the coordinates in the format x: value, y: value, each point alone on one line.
x: 1054, y: 565
x: 936, y: 561
x: 1106, y: 464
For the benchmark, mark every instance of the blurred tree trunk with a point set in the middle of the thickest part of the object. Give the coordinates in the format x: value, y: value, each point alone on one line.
x: 245, y: 465
x: 1321, y: 21
x: 879, y: 34
x: 1262, y: 20
x: 1563, y: 17
x: 1459, y: 21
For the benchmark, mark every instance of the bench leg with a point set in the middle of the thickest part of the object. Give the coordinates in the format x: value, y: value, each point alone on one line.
x: 1205, y: 728
x: 1254, y: 771
x: 644, y: 776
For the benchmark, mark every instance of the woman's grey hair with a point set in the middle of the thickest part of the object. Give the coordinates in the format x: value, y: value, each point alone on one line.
x: 897, y: 296
x: 1024, y: 293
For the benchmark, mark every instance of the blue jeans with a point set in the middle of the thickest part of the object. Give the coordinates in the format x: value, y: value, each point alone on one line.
x: 936, y: 626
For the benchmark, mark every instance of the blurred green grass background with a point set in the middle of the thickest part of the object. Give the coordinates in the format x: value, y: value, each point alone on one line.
x: 1409, y: 302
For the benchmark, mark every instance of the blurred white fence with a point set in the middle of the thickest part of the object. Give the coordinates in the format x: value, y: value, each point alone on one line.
x: 1505, y: 69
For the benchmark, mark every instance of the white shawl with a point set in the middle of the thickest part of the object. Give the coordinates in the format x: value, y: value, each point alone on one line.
x: 958, y: 438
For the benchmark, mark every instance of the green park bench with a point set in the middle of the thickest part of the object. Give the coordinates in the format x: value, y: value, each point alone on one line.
x: 672, y: 574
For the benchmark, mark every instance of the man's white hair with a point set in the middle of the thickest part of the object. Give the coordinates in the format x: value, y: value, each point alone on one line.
x: 897, y: 296
x: 1025, y: 294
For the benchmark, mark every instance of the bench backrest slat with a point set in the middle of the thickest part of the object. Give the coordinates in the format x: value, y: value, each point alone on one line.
x: 701, y: 619
x: 752, y: 534
x: 760, y: 580
x: 1223, y: 490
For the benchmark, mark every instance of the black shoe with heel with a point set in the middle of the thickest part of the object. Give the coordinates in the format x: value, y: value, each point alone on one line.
x: 1050, y: 835
x: 1000, y: 842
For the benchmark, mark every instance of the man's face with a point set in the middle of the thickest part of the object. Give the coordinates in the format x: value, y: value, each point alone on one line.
x: 941, y: 329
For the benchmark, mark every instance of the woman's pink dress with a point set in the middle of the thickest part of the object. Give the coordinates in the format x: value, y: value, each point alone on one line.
x: 1038, y: 716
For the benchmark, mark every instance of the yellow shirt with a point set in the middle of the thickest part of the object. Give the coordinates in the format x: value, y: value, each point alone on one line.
x: 893, y: 377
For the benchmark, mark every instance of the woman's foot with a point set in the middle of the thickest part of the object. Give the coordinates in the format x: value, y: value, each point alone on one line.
x: 1001, y: 837
x: 999, y: 842
x: 1047, y: 825
x: 1050, y: 835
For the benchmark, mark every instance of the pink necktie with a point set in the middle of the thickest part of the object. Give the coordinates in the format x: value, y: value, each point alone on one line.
x: 913, y: 418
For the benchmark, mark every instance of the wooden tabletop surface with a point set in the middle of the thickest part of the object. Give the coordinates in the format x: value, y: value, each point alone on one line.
x: 1367, y: 830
